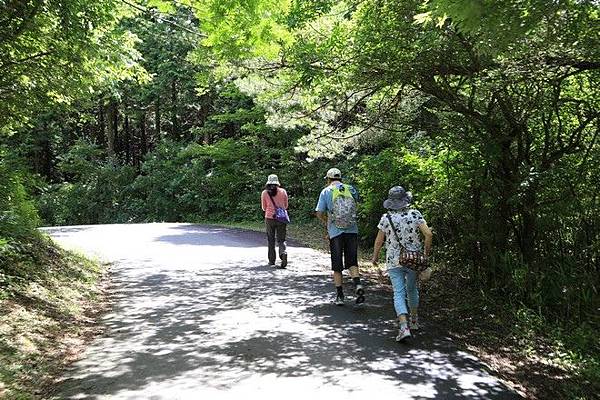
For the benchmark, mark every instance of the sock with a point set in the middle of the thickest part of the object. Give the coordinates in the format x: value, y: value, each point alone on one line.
x: 403, y: 325
x: 340, y: 291
x: 356, y: 281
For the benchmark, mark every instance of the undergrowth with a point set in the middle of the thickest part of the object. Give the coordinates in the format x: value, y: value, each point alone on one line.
x: 46, y: 297
x: 541, y: 358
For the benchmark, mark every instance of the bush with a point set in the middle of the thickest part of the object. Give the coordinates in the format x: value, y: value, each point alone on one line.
x: 98, y: 194
x: 378, y: 173
x: 18, y: 216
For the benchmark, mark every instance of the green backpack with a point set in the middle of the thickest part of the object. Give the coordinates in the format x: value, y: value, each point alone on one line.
x: 343, y: 214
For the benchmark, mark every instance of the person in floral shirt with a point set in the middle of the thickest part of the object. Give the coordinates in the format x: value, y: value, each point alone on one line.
x: 410, y: 225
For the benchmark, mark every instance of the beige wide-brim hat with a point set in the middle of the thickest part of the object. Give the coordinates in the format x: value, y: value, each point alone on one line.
x: 273, y: 180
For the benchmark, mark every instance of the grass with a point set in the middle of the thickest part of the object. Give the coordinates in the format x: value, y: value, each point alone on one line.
x: 48, y: 301
x: 540, y: 358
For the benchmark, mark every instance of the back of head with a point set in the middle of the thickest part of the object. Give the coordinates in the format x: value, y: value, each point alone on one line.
x: 398, y: 200
x: 333, y: 175
x: 271, y: 189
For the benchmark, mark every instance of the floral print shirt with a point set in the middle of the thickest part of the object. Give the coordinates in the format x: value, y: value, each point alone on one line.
x: 407, y: 224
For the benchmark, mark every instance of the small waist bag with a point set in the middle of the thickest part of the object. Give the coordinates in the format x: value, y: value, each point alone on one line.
x: 414, y: 260
x: 281, y: 213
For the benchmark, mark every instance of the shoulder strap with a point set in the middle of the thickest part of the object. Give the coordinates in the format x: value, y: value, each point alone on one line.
x: 272, y: 200
x: 341, y: 190
x: 389, y: 217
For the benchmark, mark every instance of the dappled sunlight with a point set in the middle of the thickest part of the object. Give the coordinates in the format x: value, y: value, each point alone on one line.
x: 189, y: 323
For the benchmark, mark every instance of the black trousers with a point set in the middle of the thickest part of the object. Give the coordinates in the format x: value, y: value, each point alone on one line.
x: 276, y: 230
x: 344, y: 251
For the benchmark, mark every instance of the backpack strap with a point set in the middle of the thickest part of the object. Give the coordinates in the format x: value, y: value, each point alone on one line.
x: 341, y: 190
x: 389, y: 217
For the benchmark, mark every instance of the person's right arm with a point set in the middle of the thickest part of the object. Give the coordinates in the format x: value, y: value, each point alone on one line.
x: 428, y: 237
x: 377, y: 247
x: 285, y: 199
x: 263, y: 201
x: 321, y: 211
x: 322, y: 217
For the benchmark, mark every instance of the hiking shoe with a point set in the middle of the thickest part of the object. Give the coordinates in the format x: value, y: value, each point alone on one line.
x: 403, y: 334
x: 283, y: 260
x: 360, y: 294
x: 272, y: 265
x: 414, y: 324
x: 339, y: 301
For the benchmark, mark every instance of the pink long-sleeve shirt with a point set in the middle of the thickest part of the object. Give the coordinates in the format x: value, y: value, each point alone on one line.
x: 281, y: 199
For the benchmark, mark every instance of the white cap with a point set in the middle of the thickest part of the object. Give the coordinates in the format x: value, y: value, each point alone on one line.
x: 334, y: 173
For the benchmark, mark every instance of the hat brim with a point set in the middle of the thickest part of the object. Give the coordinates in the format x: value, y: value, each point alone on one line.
x: 390, y: 204
x: 273, y: 183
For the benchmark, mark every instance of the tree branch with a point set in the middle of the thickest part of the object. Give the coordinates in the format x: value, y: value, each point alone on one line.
x: 26, y: 59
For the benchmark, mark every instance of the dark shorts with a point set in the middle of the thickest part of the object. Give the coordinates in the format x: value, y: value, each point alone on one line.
x: 344, y: 251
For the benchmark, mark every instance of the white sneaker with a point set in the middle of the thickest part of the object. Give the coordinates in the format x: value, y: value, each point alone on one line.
x: 403, y: 334
x: 414, y: 324
x: 339, y: 301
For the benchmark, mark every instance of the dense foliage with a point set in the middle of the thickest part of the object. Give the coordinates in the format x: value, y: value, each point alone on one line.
x: 516, y: 120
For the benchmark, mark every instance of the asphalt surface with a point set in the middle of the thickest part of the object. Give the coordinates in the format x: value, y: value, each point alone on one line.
x: 198, y: 314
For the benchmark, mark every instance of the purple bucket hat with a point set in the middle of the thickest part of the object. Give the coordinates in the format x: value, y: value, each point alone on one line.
x: 398, y: 198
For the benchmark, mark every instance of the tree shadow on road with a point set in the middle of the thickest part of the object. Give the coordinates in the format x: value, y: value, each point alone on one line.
x: 212, y: 235
x: 239, y: 324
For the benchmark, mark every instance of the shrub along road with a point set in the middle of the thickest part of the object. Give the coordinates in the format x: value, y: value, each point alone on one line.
x: 198, y: 312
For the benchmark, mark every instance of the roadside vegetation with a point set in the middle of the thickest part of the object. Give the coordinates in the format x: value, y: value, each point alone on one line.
x: 157, y: 110
x: 48, y: 300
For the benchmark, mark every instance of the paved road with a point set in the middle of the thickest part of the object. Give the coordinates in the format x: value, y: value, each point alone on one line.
x: 198, y: 314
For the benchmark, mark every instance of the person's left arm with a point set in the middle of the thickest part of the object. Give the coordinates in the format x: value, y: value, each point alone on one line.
x: 322, y: 217
x: 426, y: 231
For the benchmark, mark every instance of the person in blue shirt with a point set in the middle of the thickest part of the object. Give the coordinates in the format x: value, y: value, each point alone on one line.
x: 336, y: 209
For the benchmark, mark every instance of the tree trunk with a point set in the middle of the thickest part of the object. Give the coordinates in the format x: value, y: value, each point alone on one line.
x: 505, y: 176
x: 477, y: 256
x: 528, y: 235
x: 143, y: 136
x: 100, y: 134
x: 43, y: 156
x: 127, y: 135
x: 112, y: 129
x: 174, y: 122
x: 203, y: 114
x: 157, y: 117
x: 47, y: 166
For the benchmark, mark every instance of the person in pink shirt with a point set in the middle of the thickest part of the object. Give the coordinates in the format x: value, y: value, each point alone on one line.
x: 272, y: 197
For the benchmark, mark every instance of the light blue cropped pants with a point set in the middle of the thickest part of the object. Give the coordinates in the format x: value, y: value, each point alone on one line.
x: 404, y: 280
